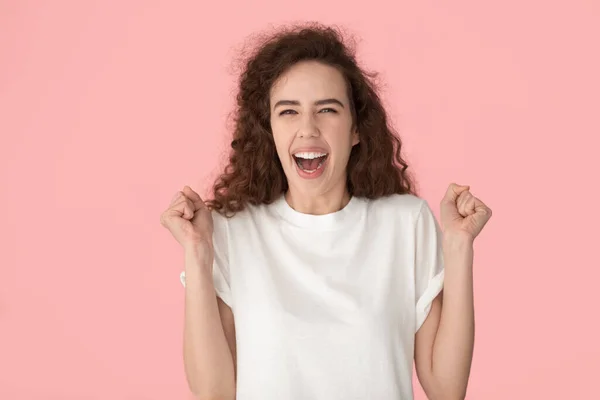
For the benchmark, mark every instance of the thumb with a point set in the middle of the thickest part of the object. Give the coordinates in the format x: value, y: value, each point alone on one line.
x: 194, y: 197
x: 454, y: 190
x: 448, y: 205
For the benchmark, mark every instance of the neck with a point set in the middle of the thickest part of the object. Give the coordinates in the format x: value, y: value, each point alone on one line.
x: 325, y: 203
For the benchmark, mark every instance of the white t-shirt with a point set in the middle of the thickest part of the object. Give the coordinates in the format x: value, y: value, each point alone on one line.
x: 326, y: 307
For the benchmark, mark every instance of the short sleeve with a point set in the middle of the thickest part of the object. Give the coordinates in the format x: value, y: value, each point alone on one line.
x: 221, y: 275
x: 429, y: 262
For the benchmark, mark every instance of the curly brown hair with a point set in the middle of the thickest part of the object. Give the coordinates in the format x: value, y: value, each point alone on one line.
x: 254, y: 174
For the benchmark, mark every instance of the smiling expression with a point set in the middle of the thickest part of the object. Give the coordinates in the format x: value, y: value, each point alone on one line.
x: 312, y: 126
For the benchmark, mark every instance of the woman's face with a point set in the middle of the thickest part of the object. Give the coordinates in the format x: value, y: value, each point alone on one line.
x: 311, y: 122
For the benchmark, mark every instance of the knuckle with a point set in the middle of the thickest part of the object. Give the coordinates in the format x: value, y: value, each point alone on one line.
x: 178, y: 195
x: 164, y: 219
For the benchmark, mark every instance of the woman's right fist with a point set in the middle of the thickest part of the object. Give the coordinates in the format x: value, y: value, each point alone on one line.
x: 188, y: 219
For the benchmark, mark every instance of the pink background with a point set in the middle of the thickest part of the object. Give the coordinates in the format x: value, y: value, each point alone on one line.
x: 107, y: 109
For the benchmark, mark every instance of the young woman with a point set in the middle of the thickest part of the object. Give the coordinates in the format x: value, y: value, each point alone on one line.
x: 315, y: 271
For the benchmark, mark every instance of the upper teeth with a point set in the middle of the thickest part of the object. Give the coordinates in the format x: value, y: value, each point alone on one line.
x: 310, y: 156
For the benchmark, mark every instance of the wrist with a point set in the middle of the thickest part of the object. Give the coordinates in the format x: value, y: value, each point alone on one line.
x: 200, y: 252
x: 198, y: 247
x: 457, y: 241
x: 458, y: 255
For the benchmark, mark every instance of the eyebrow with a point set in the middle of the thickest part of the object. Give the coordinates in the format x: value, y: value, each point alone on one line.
x: 316, y: 103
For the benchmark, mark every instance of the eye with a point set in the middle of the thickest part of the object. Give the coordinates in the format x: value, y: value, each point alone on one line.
x: 287, y: 112
x: 328, y: 110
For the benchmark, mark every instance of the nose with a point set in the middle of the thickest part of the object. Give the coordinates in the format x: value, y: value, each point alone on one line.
x: 308, y: 127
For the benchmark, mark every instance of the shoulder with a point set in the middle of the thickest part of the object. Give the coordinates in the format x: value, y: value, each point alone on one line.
x: 405, y: 205
x: 241, y: 219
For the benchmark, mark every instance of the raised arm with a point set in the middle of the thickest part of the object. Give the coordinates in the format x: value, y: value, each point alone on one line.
x: 209, y: 332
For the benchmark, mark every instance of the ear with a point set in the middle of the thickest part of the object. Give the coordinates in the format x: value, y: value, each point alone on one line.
x: 355, y: 138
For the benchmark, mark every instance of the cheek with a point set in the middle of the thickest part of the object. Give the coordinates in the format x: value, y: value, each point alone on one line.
x: 340, y: 131
x: 282, y: 143
x: 342, y: 141
x: 279, y: 147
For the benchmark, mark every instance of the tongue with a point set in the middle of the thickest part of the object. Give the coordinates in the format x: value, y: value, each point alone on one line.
x: 311, y: 164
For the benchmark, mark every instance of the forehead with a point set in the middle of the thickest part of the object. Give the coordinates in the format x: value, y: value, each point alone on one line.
x: 308, y: 81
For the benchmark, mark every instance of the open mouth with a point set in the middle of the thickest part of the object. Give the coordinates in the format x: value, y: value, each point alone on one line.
x: 310, y: 162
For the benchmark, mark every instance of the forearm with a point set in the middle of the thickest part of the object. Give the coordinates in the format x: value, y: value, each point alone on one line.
x: 207, y: 358
x: 453, y: 345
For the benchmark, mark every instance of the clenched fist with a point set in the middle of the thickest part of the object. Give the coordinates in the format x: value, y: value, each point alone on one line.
x: 188, y: 219
x: 462, y: 213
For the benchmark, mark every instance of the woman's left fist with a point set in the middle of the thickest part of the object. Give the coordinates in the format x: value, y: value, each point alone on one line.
x: 461, y: 213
